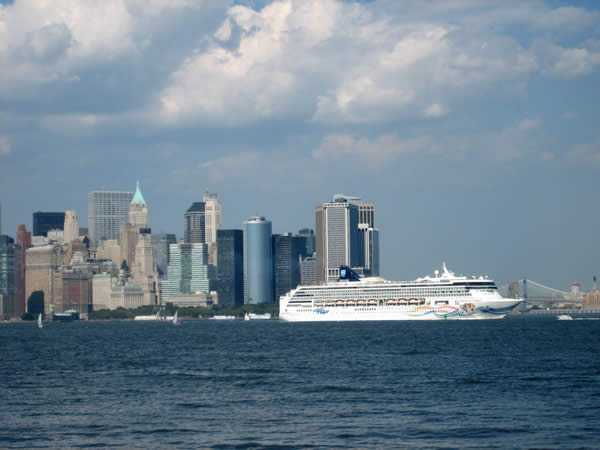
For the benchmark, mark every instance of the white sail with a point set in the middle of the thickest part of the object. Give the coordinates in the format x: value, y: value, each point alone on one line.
x: 40, y: 325
x: 175, y: 322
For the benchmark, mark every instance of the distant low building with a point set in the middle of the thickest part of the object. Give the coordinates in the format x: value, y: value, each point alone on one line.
x: 199, y: 299
x: 591, y: 299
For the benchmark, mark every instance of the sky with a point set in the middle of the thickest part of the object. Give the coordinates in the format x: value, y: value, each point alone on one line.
x: 472, y: 125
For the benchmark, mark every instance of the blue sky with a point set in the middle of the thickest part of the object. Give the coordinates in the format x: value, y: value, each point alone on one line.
x: 473, y: 125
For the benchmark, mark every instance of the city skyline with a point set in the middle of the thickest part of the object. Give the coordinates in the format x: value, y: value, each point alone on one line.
x: 471, y: 126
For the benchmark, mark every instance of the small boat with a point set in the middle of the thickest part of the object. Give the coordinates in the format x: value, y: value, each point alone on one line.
x: 175, y: 321
x: 253, y: 316
x: 40, y: 325
x: 564, y: 317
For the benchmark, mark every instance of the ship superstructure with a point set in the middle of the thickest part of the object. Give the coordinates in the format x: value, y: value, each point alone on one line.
x: 442, y: 296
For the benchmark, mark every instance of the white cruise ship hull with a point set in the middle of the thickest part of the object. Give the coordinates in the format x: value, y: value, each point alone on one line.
x: 378, y: 313
x: 443, y: 297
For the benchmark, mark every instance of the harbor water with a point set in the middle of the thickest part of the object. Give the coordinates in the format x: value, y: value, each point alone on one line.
x: 517, y: 382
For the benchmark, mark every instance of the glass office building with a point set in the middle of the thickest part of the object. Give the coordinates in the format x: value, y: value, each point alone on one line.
x: 187, y: 272
x: 258, y: 261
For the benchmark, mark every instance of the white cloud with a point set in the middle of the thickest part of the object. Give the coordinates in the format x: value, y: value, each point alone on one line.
x: 374, y: 154
x: 529, y: 124
x: 435, y: 110
x: 5, y: 146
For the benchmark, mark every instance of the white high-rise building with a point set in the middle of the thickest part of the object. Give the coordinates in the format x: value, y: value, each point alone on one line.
x: 71, y: 228
x: 337, y: 238
x: 212, y: 222
x: 107, y: 211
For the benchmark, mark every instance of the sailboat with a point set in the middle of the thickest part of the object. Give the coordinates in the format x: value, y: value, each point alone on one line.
x: 175, y: 321
x: 40, y: 325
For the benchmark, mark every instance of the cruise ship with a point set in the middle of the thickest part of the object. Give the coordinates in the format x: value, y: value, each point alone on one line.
x: 442, y: 296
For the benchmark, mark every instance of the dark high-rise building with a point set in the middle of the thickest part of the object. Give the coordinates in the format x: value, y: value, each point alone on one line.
x: 160, y: 250
x: 287, y: 250
x: 8, y: 252
x: 24, y: 241
x: 46, y: 221
x: 194, y: 224
x: 309, y: 238
x: 230, y: 267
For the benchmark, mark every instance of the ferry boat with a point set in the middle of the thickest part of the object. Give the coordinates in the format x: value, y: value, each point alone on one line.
x: 442, y: 296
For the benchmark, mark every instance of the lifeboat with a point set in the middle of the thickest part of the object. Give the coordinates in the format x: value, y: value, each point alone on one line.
x: 350, y: 302
x: 372, y: 302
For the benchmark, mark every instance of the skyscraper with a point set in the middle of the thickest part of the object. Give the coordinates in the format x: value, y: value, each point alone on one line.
x: 258, y: 261
x: 194, y: 224
x: 230, y: 270
x: 187, y: 272
x: 212, y: 219
x: 46, y: 221
x: 287, y: 251
x: 309, y: 237
x: 160, y: 250
x: 71, y: 226
x: 137, y: 219
x: 337, y: 237
x: 24, y: 241
x: 8, y: 252
x: 138, y: 211
x: 41, y: 265
x: 107, y: 211
x: 369, y: 249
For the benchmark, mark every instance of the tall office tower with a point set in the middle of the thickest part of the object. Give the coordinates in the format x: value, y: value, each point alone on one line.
x: 337, y: 238
x: 107, y: 211
x: 187, y: 272
x: 230, y: 270
x: 212, y: 222
x: 71, y: 226
x: 137, y: 219
x: 143, y: 270
x: 194, y: 224
x: 138, y: 211
x: 258, y: 261
x: 160, y: 250
x: 366, y: 214
x: 24, y: 241
x: 287, y: 252
x: 309, y: 237
x: 46, y: 221
x: 368, y: 243
x: 40, y: 265
x: 308, y: 271
x: 8, y: 274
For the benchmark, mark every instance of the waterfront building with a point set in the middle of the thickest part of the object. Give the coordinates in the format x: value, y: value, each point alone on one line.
x: 308, y: 270
x: 73, y: 291
x: 194, y: 224
x: 212, y: 223
x: 40, y: 288
x: 127, y: 296
x: 258, y: 261
x: 71, y: 226
x: 107, y: 211
x: 337, y: 237
x: 199, y: 299
x: 309, y: 237
x: 187, y: 272
x: 287, y: 252
x: 46, y: 221
x: 143, y: 273
x: 591, y: 299
x: 230, y: 269
x: 9, y: 268
x: 575, y: 295
x: 160, y: 251
x: 101, y: 291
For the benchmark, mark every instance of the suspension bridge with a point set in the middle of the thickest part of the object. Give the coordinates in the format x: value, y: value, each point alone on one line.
x: 534, y: 292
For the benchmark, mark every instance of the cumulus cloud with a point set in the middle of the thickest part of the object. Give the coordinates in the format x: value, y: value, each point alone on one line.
x: 435, y: 110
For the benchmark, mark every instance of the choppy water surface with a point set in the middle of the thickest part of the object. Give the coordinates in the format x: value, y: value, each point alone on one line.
x: 507, y: 383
